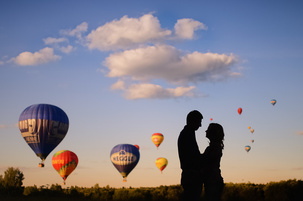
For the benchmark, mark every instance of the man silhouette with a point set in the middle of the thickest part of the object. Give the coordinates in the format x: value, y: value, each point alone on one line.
x: 190, y: 157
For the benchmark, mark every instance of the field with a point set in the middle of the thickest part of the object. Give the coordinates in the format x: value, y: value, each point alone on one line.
x: 290, y: 190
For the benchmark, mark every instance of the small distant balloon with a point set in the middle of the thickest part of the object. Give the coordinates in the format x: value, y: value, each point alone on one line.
x: 240, y: 111
x: 252, y: 141
x: 211, y: 119
x: 249, y: 127
x: 252, y: 130
x: 157, y: 139
x: 273, y: 102
x: 247, y: 148
x: 161, y: 163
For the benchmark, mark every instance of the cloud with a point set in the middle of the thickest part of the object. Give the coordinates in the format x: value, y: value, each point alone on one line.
x: 45, y: 55
x: 161, y: 62
x: 50, y: 40
x: 153, y: 91
x: 300, y: 132
x: 185, y: 28
x: 6, y: 126
x: 169, y: 64
x: 127, y: 32
x: 77, y: 32
x: 119, y: 85
x: 67, y: 49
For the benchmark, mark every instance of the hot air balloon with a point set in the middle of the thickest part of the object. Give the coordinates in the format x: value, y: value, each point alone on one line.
x: 65, y: 162
x: 252, y: 141
x: 252, y: 130
x: 43, y: 127
x: 240, y: 110
x: 249, y: 127
x: 161, y: 163
x: 125, y: 158
x: 247, y: 148
x: 211, y: 119
x: 273, y: 102
x: 157, y: 139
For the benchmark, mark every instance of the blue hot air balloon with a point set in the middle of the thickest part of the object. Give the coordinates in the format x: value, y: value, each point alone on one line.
x: 43, y: 127
x: 125, y: 157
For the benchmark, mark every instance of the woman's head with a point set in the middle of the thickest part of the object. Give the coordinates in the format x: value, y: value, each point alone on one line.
x: 215, y: 133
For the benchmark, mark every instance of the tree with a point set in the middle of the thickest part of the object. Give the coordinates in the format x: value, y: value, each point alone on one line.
x: 13, y: 178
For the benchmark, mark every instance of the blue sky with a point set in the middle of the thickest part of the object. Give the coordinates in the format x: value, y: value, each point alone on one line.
x: 123, y: 70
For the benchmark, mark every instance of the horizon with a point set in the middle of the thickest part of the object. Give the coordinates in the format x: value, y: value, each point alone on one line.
x: 123, y: 71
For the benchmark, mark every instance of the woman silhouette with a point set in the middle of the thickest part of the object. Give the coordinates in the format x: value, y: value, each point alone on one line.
x: 213, y: 180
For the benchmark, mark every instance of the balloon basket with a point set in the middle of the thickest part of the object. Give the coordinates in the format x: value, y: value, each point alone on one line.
x: 41, y: 165
x: 124, y: 180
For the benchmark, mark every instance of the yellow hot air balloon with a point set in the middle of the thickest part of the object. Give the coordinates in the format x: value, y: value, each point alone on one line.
x: 161, y: 163
x: 157, y: 139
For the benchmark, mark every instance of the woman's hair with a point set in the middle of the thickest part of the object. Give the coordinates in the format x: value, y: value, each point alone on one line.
x: 215, y: 134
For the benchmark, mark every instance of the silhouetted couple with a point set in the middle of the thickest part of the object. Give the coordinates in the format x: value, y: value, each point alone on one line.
x: 197, y: 168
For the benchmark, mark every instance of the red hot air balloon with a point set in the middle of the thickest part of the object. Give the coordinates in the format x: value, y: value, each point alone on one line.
x: 65, y: 162
x: 240, y: 110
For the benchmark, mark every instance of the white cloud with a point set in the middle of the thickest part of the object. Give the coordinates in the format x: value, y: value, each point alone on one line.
x: 169, y: 64
x: 45, y: 55
x: 6, y: 126
x: 185, y: 28
x: 67, y: 49
x: 300, y: 132
x: 50, y: 40
x: 119, y: 85
x: 152, y: 91
x: 127, y: 32
x: 77, y: 32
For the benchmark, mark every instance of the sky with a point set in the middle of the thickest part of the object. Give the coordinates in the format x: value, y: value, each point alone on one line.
x: 123, y: 70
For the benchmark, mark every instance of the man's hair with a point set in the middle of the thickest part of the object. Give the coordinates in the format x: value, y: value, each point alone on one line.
x: 193, y: 116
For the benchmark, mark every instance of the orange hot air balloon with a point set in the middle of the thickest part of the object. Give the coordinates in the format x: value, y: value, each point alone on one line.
x: 249, y: 127
x: 157, y: 139
x: 65, y: 162
x: 161, y: 163
x: 240, y: 110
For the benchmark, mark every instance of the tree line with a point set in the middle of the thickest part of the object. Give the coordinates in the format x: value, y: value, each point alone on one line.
x: 11, y: 189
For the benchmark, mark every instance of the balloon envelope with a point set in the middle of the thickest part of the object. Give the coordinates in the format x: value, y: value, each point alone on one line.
x: 65, y: 162
x: 125, y: 157
x: 157, y: 139
x: 273, y: 101
x: 161, y: 163
x: 247, y: 148
x: 252, y: 130
x: 43, y: 127
x: 240, y: 110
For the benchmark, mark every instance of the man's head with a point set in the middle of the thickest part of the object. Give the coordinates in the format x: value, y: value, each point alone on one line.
x: 194, y: 119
